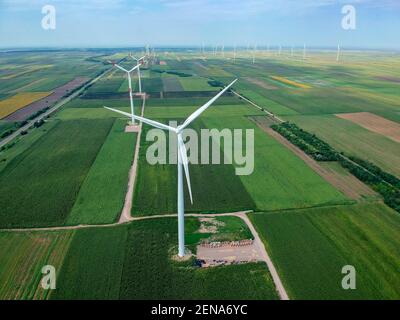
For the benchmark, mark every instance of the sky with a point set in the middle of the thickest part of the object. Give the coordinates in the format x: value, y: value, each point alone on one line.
x: 131, y: 23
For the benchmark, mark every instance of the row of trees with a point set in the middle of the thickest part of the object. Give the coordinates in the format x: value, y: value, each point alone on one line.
x: 387, y: 185
x: 309, y: 143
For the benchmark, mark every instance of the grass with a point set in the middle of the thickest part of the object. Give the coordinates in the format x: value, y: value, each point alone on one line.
x: 310, y: 247
x: 93, y: 266
x: 101, y: 197
x: 23, y: 256
x: 39, y: 186
x: 20, y: 100
x: 354, y: 140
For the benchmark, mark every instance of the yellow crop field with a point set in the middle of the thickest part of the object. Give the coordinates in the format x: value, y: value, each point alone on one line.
x: 293, y: 83
x: 20, y: 100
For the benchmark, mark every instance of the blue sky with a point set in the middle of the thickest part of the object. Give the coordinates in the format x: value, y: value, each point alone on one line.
x: 109, y: 23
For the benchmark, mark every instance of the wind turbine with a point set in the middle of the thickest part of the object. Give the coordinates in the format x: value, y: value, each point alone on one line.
x: 338, y: 53
x: 254, y: 53
x: 280, y: 49
x: 130, y: 86
x: 182, y: 160
x: 138, y: 70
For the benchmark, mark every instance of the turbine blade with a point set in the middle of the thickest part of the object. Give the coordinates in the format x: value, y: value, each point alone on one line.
x: 120, y: 68
x: 199, y: 111
x: 134, y: 68
x: 147, y: 121
x: 185, y: 162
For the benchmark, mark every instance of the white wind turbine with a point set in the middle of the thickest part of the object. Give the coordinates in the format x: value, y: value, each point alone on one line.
x: 130, y: 87
x: 138, y: 62
x: 182, y: 160
x: 338, y: 53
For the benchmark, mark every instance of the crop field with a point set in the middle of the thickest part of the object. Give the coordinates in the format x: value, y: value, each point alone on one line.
x: 354, y: 140
x: 280, y: 179
x: 310, y: 247
x: 102, y: 194
x: 155, y: 276
x: 19, y: 101
x: 52, y: 172
x: 93, y: 265
x: 69, y: 174
x: 375, y: 124
x: 152, y: 178
x: 22, y: 257
x: 195, y: 84
x: 108, y: 263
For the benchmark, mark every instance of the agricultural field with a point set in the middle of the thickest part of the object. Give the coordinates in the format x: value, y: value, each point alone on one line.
x: 310, y: 247
x: 20, y: 100
x: 22, y: 257
x: 353, y: 140
x: 52, y: 171
x: 69, y: 174
x: 102, y: 194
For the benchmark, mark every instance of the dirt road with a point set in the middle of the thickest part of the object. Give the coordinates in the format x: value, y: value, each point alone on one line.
x: 126, y: 211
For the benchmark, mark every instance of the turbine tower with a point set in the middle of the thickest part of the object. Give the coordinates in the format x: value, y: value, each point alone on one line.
x: 182, y: 160
x: 280, y: 49
x: 128, y: 72
x: 338, y: 53
x: 138, y: 61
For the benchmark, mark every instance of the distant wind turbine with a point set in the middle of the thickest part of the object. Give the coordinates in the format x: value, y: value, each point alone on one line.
x: 138, y: 61
x: 338, y: 53
x: 128, y: 72
x: 182, y: 160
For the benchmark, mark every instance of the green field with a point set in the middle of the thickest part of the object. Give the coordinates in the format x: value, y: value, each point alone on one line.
x: 39, y: 186
x: 22, y: 257
x: 196, y: 84
x: 102, y: 194
x: 354, y: 140
x: 135, y: 262
x: 156, y: 276
x: 153, y: 178
x: 310, y: 247
x: 93, y: 265
x: 280, y: 179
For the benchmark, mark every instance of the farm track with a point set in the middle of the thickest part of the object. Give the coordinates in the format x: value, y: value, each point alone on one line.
x: 50, y: 111
x: 126, y: 211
